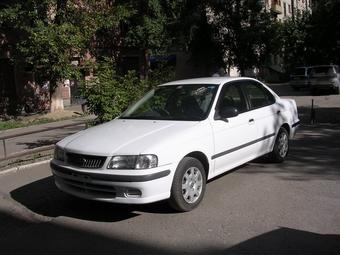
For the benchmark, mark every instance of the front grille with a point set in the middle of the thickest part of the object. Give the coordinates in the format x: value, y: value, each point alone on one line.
x: 103, y: 191
x: 85, y: 161
x: 90, y: 186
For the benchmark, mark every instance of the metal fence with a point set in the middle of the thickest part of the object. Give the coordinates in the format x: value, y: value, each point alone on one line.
x: 35, y: 150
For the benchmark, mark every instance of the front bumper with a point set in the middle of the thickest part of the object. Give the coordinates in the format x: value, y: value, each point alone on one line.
x: 134, y: 187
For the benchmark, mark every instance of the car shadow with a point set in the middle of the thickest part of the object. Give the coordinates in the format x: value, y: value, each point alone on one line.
x: 313, y: 155
x: 25, y: 237
x: 42, y: 197
x: 284, y: 241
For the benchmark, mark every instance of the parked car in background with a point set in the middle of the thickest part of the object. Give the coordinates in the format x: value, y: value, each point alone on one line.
x: 170, y: 142
x: 299, y: 78
x: 325, y: 78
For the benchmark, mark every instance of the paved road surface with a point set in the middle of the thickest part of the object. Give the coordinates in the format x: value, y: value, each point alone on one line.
x: 260, y: 208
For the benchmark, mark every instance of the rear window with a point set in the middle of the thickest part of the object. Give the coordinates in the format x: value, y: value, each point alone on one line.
x: 322, y: 70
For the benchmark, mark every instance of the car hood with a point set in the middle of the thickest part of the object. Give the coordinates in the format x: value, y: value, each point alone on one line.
x: 124, y: 136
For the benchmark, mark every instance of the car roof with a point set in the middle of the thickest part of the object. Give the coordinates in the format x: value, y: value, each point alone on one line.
x: 206, y: 80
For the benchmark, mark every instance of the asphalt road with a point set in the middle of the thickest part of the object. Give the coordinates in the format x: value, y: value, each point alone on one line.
x: 259, y: 208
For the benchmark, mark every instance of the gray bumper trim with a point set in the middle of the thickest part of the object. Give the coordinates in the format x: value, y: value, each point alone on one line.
x: 109, y: 177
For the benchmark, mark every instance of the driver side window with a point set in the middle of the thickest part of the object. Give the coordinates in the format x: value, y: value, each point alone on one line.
x: 231, y: 96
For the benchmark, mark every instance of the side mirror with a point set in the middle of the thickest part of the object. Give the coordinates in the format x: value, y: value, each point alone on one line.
x: 228, y: 112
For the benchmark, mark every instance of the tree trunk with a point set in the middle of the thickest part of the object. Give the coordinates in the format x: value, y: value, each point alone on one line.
x: 56, y: 99
x: 145, y: 64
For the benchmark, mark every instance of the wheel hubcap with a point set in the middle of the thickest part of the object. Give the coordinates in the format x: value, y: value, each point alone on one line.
x: 192, y: 184
x: 283, y: 145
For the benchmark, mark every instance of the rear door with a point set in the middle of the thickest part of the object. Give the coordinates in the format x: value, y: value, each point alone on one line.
x: 266, y: 114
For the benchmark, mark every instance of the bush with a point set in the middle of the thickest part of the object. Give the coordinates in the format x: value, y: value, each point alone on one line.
x: 108, y: 94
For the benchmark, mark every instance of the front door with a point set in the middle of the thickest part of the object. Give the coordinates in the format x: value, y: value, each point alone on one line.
x: 234, y: 137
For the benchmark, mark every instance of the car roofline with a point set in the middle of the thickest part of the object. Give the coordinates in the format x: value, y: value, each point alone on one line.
x: 205, y: 80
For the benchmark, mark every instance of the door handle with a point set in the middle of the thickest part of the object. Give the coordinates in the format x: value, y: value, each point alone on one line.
x: 251, y: 121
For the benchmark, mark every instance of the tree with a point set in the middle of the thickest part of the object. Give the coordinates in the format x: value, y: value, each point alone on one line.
x: 47, y: 42
x: 150, y: 28
x: 108, y: 94
x: 244, y: 28
x: 198, y: 36
x: 293, y: 36
x: 52, y: 33
x: 324, y: 33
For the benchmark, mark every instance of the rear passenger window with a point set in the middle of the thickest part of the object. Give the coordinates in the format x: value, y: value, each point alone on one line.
x: 258, y: 95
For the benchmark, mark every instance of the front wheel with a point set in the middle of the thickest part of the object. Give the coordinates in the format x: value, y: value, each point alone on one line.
x: 188, y: 186
x: 281, y: 147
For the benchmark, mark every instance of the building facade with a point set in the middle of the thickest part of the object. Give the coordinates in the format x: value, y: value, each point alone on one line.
x: 287, y: 8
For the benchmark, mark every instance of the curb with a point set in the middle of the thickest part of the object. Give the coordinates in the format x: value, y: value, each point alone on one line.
x: 22, y: 167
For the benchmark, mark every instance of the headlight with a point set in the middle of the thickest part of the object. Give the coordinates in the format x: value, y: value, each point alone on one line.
x: 133, y: 162
x: 59, y: 154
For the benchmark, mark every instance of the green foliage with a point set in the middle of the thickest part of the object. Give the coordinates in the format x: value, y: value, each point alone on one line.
x: 161, y: 74
x: 293, y: 36
x: 50, y: 49
x: 51, y: 33
x: 147, y: 25
x: 108, y: 94
x: 324, y: 33
x: 10, y: 124
x: 244, y: 29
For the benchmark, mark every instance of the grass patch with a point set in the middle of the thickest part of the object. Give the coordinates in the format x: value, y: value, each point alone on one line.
x: 10, y: 124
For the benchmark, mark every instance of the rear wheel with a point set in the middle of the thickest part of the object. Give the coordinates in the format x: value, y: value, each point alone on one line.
x: 188, y: 186
x: 281, y: 147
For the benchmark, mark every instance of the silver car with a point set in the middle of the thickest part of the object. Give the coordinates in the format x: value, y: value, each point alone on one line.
x: 325, y: 78
x: 299, y: 78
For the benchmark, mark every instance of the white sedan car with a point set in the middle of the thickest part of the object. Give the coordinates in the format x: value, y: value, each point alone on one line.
x: 170, y: 142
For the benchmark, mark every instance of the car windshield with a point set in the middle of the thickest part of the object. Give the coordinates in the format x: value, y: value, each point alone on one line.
x: 175, y: 102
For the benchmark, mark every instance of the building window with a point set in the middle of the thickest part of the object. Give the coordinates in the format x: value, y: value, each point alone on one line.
x: 289, y: 9
x: 284, y: 9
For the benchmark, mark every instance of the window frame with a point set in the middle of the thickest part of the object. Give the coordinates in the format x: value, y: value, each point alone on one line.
x: 237, y: 84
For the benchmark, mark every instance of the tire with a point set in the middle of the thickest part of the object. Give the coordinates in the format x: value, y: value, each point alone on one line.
x: 188, y: 185
x: 281, y: 147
